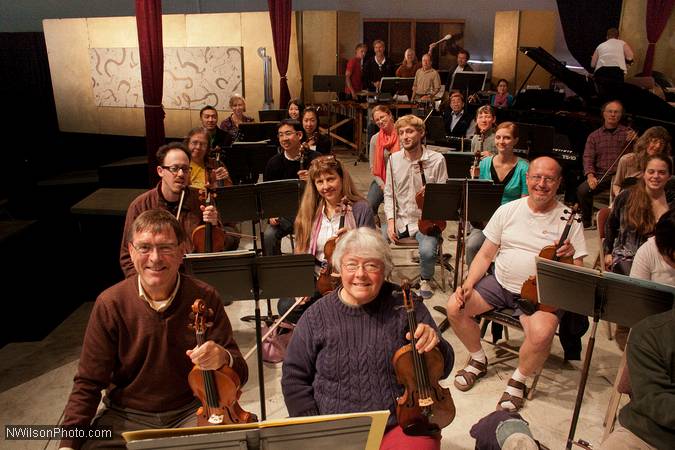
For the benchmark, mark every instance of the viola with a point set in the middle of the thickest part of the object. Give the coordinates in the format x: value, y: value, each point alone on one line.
x: 529, y: 289
x: 217, y: 390
x: 425, y: 407
x: 327, y: 282
x: 428, y: 227
x: 206, y: 238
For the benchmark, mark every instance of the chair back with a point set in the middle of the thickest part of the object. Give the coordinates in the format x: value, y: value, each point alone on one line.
x: 601, y: 220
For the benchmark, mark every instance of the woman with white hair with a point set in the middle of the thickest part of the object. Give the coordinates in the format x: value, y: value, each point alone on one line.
x: 339, y: 360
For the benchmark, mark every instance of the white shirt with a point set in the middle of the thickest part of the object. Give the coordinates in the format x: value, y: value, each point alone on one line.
x: 611, y: 54
x: 407, y: 182
x: 520, y: 234
x: 648, y: 264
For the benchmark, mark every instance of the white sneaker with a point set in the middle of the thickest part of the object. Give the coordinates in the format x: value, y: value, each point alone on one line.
x: 425, y: 290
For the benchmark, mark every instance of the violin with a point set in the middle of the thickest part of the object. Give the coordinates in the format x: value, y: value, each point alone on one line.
x: 428, y: 227
x: 425, y: 407
x: 529, y: 289
x: 218, y: 390
x: 327, y: 282
x: 206, y: 238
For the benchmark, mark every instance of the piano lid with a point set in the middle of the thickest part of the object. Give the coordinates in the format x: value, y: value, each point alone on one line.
x: 636, y: 101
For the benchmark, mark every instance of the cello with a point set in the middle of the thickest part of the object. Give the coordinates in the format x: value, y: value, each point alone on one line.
x: 425, y: 407
x: 218, y: 390
x: 528, y: 291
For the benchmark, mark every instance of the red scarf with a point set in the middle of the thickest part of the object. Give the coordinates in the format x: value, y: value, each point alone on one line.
x: 385, y: 141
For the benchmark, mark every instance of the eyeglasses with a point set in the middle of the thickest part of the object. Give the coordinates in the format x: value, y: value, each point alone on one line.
x: 369, y: 267
x: 162, y: 249
x: 547, y: 180
x: 197, y: 143
x: 286, y: 133
x: 175, y: 169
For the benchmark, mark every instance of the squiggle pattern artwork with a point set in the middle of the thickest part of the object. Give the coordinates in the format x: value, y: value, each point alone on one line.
x: 193, y: 77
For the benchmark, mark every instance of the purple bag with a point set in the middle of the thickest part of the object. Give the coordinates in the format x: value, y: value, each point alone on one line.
x: 275, y: 346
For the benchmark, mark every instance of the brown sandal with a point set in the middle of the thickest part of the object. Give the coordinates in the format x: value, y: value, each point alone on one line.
x: 518, y: 402
x: 470, y: 377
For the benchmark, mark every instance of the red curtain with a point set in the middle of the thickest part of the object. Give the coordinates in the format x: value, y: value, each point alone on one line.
x: 658, y: 12
x: 149, y: 24
x: 280, y: 18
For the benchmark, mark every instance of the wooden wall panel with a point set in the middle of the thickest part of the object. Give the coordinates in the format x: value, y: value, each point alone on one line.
x: 537, y: 29
x: 505, y: 46
x: 348, y: 36
x: 319, y: 50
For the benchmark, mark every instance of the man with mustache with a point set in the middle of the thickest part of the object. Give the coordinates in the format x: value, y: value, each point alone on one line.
x: 516, y: 233
x: 174, y: 173
x: 138, y: 347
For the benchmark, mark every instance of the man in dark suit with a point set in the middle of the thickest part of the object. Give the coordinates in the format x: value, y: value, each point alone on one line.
x: 377, y: 67
x: 461, y: 66
x: 457, y: 120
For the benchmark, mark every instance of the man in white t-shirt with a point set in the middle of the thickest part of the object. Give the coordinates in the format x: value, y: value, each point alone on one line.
x: 611, y: 57
x: 516, y: 233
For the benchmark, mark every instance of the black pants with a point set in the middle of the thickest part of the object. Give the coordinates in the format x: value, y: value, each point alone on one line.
x: 610, y: 73
x: 585, y: 197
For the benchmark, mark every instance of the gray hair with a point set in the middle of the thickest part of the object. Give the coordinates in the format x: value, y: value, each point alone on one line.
x: 363, y: 242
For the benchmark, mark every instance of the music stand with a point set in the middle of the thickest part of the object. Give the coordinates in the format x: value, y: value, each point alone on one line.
x: 608, y: 296
x: 393, y: 85
x: 244, y: 276
x: 272, y: 115
x: 257, y: 132
x: 246, y: 160
x: 330, y: 84
x: 535, y: 140
x: 435, y: 129
x: 468, y: 82
x: 355, y: 431
x: 458, y: 164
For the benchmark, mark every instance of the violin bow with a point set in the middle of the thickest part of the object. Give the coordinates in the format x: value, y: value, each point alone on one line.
x: 274, y: 326
x: 617, y: 159
x: 180, y: 204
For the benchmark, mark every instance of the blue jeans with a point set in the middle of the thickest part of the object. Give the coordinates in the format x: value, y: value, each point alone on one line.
x: 428, y: 246
x: 375, y: 197
x: 274, y: 234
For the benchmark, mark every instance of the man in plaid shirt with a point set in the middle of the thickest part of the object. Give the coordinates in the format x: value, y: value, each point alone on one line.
x: 603, y: 147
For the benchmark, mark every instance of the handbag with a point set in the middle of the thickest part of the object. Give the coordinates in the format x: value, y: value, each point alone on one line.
x: 275, y: 346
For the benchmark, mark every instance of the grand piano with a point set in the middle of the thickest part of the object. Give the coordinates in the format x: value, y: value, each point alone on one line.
x: 573, y: 118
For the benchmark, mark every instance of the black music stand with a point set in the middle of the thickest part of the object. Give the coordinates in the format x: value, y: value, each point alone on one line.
x: 468, y: 82
x: 608, y: 296
x: 245, y: 276
x: 435, y: 129
x: 535, y: 140
x: 257, y: 132
x: 446, y: 202
x: 390, y: 86
x: 354, y: 432
x: 272, y: 115
x: 458, y: 164
x: 247, y: 160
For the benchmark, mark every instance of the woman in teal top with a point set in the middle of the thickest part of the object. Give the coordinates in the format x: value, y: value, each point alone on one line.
x: 503, y: 168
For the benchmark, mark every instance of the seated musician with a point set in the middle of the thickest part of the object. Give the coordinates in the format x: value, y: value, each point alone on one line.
x: 311, y: 136
x: 291, y: 163
x: 339, y: 360
x: 504, y: 168
x: 353, y: 72
x: 502, y: 99
x: 483, y: 140
x: 404, y: 181
x: 138, y: 346
x: 321, y: 214
x: 174, y: 173
x: 603, y: 147
x: 655, y: 140
x: 382, y: 145
x: 231, y: 124
x: 635, y: 212
x: 457, y: 120
x: 197, y: 141
x: 515, y: 235
x: 461, y: 66
x: 655, y: 259
x: 295, y: 108
x: 427, y: 81
x: 647, y: 422
x: 218, y: 138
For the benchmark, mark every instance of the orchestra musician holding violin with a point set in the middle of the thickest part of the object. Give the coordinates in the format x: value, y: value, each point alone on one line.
x: 310, y: 132
x: 197, y: 141
x: 407, y: 173
x: 330, y: 206
x: 347, y: 350
x: 483, y: 140
x: 138, y: 346
x: 174, y: 195
x: 515, y: 234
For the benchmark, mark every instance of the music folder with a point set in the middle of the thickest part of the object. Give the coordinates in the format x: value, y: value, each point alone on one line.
x: 355, y: 431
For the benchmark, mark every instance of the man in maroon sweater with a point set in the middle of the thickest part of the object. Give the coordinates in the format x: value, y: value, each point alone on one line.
x: 174, y: 171
x: 138, y: 346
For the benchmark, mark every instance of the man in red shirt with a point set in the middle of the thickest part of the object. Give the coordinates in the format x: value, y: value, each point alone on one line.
x: 353, y: 83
